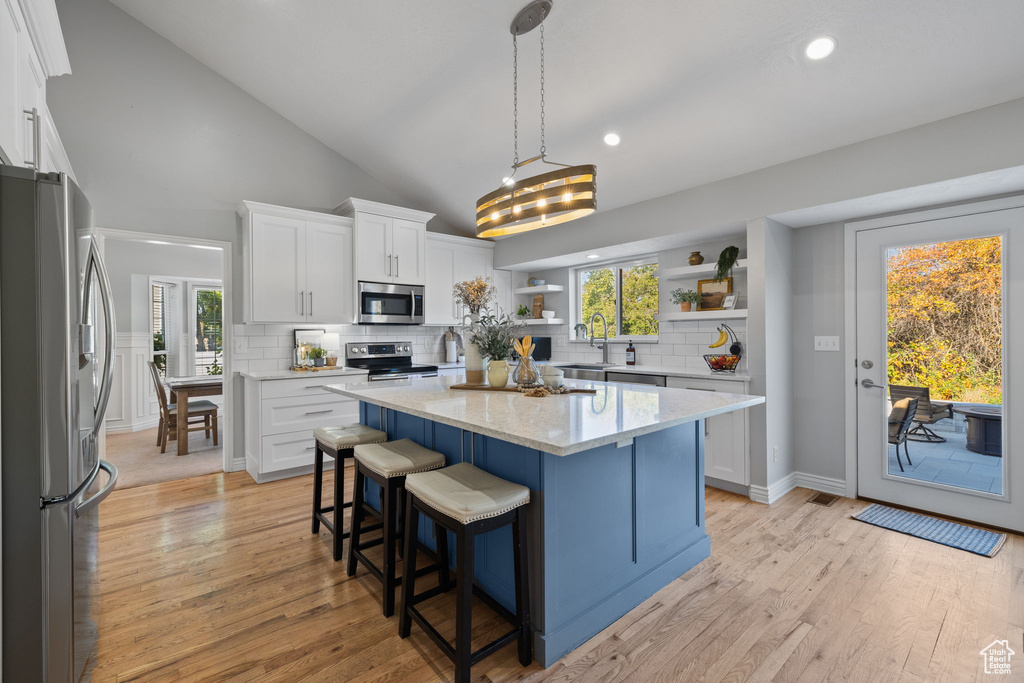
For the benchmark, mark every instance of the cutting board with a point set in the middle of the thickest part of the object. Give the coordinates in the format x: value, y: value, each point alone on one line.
x: 485, y: 387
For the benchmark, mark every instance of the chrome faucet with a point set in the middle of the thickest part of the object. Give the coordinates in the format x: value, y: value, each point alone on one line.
x: 604, y: 346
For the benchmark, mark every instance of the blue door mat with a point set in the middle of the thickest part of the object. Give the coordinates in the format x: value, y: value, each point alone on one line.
x: 978, y: 541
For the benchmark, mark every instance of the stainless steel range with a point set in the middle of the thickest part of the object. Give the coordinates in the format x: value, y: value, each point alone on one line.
x: 386, y: 361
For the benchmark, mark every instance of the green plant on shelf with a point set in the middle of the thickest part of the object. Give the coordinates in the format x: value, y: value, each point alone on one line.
x: 682, y: 296
x: 317, y: 352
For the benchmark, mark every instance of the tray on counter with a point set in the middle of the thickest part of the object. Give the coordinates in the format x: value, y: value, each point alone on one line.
x: 487, y: 387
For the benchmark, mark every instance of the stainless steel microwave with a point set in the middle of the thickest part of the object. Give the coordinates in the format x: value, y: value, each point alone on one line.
x: 383, y: 304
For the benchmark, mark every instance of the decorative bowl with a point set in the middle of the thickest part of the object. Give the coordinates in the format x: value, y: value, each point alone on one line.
x: 722, y: 362
x: 547, y: 314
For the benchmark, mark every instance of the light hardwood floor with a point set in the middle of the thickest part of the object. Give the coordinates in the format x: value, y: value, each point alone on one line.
x: 217, y: 578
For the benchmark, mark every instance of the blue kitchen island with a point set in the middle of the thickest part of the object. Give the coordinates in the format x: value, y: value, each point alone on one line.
x: 616, y: 478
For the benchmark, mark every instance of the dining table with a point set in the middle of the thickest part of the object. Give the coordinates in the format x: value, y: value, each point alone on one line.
x: 184, y: 388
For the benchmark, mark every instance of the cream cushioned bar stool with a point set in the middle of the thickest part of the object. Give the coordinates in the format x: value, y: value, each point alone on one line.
x: 388, y: 464
x: 338, y: 443
x: 468, y: 501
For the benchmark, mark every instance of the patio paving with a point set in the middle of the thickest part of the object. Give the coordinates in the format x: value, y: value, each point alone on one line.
x: 950, y: 463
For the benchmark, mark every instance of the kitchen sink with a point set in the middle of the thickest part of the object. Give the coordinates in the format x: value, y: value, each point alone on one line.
x: 585, y: 372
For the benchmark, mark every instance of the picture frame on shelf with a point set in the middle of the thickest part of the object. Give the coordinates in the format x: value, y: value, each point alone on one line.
x: 729, y: 303
x: 713, y: 293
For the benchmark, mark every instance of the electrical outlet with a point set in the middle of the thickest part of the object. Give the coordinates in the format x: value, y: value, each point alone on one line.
x: 241, y: 345
x: 826, y: 343
x: 560, y: 341
x: 775, y: 453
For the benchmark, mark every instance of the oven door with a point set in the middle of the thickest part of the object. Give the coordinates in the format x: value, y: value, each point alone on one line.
x: 390, y: 304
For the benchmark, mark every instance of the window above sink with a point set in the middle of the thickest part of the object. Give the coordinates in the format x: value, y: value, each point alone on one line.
x: 626, y: 293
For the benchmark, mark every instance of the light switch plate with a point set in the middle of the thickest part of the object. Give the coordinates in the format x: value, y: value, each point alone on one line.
x: 241, y: 345
x: 826, y: 343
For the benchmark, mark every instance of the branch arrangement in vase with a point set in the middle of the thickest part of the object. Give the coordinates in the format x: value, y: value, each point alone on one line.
x: 474, y: 294
x: 495, y: 335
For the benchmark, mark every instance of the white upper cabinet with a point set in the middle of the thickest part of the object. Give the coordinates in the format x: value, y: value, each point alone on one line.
x: 298, y: 265
x: 389, y: 242
x: 450, y: 260
x: 31, y: 50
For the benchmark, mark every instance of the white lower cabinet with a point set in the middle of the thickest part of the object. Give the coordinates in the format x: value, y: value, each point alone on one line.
x: 451, y: 372
x: 726, y: 450
x: 280, y: 416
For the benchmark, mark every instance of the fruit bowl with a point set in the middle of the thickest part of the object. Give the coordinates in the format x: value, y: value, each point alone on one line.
x: 722, y: 362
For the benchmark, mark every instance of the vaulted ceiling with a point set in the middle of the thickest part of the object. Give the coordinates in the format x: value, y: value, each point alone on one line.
x: 419, y: 94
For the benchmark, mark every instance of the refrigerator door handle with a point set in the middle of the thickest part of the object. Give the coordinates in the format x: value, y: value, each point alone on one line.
x: 102, y: 494
x: 96, y: 265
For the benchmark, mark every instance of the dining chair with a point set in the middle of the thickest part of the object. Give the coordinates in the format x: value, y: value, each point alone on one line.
x: 201, y: 415
x: 902, y: 416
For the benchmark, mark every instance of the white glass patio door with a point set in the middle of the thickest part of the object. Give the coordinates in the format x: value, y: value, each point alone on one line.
x: 966, y: 474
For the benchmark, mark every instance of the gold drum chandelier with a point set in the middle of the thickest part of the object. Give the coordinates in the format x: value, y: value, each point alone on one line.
x: 549, y: 198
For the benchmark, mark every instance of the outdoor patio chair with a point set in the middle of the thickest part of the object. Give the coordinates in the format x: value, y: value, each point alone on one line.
x: 900, y: 420
x: 928, y: 412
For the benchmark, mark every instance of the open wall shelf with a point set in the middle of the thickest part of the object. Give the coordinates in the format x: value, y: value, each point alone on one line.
x: 697, y: 272
x: 735, y: 314
x: 539, y: 289
x: 543, y: 321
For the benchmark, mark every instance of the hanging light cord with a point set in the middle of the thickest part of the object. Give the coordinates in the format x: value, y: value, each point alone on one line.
x: 515, y: 101
x: 543, y: 147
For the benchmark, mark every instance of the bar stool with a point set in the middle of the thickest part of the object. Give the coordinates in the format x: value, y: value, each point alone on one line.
x: 468, y: 501
x: 388, y: 464
x: 338, y: 443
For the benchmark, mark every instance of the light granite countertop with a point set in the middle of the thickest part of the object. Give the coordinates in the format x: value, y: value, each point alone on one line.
x: 306, y: 374
x: 561, y: 425
x: 664, y: 371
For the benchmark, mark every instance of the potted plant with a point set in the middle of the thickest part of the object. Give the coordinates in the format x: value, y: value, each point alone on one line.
x: 495, y: 335
x: 686, y: 298
x: 726, y: 260
x: 319, y: 356
x: 523, y: 312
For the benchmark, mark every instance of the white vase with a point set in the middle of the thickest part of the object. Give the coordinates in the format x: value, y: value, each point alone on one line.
x: 474, y: 360
x: 497, y: 373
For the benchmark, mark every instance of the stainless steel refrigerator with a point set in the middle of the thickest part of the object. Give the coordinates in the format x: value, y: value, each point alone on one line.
x: 56, y: 364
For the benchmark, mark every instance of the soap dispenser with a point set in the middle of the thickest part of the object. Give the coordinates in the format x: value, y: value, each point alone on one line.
x: 630, y: 354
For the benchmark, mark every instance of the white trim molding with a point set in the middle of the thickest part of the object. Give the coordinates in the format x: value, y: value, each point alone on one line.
x: 351, y: 205
x: 774, y: 492
x: 47, y: 37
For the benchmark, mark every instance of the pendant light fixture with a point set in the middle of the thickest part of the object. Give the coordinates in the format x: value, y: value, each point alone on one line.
x: 552, y: 197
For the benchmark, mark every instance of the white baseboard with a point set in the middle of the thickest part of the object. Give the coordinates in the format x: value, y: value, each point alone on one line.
x: 137, y: 427
x: 774, y: 492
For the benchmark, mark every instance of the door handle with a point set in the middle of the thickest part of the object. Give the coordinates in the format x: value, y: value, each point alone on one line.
x: 868, y: 384
x: 311, y: 302
x: 33, y: 114
x: 389, y: 265
x: 102, y: 494
x: 397, y: 268
x: 302, y: 302
x: 95, y: 268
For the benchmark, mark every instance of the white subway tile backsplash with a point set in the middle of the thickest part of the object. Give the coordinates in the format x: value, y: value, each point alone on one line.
x: 264, y: 341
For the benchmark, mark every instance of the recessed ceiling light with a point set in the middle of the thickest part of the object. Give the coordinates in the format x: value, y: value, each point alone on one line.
x: 819, y: 48
x: 612, y: 139
x: 593, y: 256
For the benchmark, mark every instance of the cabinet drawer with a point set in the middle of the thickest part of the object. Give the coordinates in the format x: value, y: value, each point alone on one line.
x: 282, y: 415
x: 285, y: 451
x: 306, y: 386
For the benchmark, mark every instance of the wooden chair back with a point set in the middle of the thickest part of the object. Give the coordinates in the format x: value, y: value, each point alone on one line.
x: 922, y: 394
x: 161, y: 391
x: 901, y: 418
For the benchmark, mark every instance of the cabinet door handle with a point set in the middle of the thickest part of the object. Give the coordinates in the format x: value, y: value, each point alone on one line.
x: 309, y: 448
x: 320, y: 412
x: 302, y: 302
x: 33, y: 114
x: 311, y: 302
x: 397, y: 270
x: 389, y: 266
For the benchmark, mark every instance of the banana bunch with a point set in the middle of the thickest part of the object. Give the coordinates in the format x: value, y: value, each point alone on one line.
x: 725, y: 333
x: 525, y: 346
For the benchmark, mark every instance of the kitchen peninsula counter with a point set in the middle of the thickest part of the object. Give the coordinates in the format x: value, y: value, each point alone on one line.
x: 616, y: 509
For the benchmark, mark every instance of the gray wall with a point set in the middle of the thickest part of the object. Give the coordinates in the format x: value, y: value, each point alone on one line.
x: 819, y: 308
x: 125, y: 259
x: 977, y: 142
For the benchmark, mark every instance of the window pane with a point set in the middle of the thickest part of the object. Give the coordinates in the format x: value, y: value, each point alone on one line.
x: 597, y: 295
x: 159, y: 327
x: 639, y: 300
x: 209, y: 305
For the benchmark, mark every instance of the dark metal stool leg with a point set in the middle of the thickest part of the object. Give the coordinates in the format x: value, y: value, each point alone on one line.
x: 464, y: 606
x: 318, y: 479
x: 409, y: 572
x: 356, y: 520
x: 519, y: 541
x: 390, y: 522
